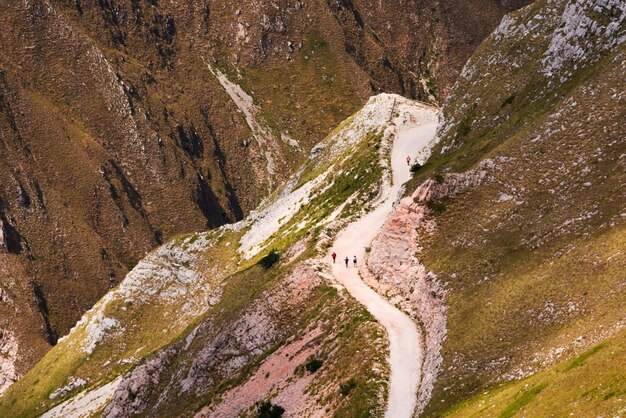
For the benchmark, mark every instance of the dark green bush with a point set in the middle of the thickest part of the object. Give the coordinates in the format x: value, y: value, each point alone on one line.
x: 439, y: 178
x: 267, y: 410
x: 415, y: 167
x: 346, y: 387
x: 313, y: 365
x: 269, y: 260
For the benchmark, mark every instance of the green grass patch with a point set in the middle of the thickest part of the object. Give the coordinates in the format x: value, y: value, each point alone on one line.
x: 526, y: 397
x: 580, y: 360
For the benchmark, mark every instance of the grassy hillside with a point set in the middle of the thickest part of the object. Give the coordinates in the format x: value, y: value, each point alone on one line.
x: 589, y: 384
x: 532, y: 258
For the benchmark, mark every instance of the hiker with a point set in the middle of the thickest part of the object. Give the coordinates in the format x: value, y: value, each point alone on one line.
x: 408, y: 160
x: 347, y: 259
x: 354, y: 261
x: 334, y: 256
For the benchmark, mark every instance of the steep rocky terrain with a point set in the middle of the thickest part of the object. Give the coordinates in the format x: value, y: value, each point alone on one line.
x: 123, y: 124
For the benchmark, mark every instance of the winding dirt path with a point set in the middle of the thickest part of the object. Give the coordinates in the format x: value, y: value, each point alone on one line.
x: 405, y: 358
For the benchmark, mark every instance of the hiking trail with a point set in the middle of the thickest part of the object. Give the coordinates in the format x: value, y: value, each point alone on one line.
x: 405, y: 345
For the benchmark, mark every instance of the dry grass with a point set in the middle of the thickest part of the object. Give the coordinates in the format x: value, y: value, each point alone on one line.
x: 588, y: 385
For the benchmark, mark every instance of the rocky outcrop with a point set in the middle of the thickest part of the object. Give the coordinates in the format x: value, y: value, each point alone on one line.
x: 447, y: 185
x: 130, y: 396
x: 584, y: 34
x: 276, y: 376
x: 8, y: 355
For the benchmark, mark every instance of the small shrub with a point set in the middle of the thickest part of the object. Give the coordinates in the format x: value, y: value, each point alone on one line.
x: 269, y: 260
x: 415, y: 167
x: 267, y: 410
x: 439, y: 178
x: 368, y: 249
x: 313, y: 365
x: 346, y: 387
x: 508, y: 101
x: 436, y: 207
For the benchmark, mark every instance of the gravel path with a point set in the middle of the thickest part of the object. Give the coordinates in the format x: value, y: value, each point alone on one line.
x: 405, y: 357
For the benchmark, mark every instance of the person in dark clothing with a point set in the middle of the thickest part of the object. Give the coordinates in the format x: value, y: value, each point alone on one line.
x: 334, y: 256
x: 408, y: 160
x: 354, y: 261
x: 347, y: 259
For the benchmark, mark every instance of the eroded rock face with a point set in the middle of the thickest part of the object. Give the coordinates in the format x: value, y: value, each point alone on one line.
x: 584, y: 34
x: 210, y: 354
x: 275, y: 375
x: 8, y: 357
x: 130, y: 395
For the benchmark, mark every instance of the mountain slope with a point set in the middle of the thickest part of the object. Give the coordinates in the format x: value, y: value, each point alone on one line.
x: 506, y: 249
x: 119, y: 126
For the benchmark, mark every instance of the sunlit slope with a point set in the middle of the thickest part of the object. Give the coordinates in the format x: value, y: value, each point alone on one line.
x: 589, y: 384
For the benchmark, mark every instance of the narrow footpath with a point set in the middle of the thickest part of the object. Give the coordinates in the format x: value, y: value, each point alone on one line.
x: 405, y: 358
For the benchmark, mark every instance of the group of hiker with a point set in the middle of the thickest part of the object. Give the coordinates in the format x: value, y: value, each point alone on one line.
x: 347, y: 259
